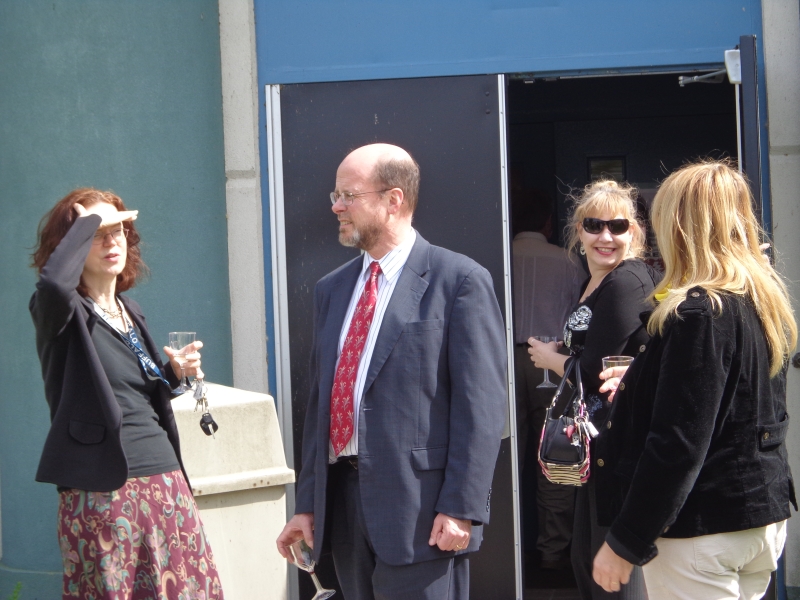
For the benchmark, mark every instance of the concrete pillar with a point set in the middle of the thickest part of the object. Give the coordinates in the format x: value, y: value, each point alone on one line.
x: 239, y: 480
x: 243, y: 194
x: 782, y: 65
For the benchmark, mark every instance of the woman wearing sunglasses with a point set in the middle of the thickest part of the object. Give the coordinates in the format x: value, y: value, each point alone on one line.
x: 128, y: 526
x: 697, y: 474
x: 605, y: 322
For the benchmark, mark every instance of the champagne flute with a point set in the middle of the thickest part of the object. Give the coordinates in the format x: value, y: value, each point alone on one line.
x: 546, y: 383
x: 304, y: 559
x: 178, y: 340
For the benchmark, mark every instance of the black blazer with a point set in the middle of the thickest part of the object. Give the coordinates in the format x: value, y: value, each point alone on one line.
x: 694, y: 444
x: 83, y: 448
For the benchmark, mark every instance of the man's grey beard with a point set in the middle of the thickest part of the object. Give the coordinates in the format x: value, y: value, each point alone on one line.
x: 363, y: 239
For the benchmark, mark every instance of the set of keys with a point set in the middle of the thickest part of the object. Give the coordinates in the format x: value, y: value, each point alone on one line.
x: 572, y: 431
x: 207, y: 422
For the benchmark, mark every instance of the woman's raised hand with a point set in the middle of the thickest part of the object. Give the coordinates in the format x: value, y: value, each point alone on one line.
x: 108, y: 213
x: 191, y: 353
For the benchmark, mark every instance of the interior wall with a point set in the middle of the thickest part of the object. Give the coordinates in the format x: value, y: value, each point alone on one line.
x: 556, y: 125
x: 652, y: 147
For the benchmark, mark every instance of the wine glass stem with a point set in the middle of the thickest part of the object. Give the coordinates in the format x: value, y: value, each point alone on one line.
x: 547, y: 376
x: 316, y: 581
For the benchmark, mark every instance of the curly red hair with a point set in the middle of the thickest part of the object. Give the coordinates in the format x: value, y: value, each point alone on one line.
x: 55, y: 224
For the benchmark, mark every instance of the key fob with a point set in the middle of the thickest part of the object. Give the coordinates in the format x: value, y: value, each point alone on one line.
x: 208, y: 424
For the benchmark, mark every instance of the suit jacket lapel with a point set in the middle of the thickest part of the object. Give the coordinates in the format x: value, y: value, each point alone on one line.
x: 405, y: 299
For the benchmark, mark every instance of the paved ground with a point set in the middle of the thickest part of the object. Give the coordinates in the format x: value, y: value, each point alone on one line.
x: 563, y: 594
x: 541, y: 584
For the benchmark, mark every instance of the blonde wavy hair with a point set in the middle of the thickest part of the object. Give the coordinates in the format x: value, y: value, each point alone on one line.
x: 606, y: 196
x: 708, y: 236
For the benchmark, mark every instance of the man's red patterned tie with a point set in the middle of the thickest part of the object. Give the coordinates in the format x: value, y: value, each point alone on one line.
x: 344, y: 382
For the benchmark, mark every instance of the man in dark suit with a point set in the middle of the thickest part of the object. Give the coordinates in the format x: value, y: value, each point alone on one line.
x: 408, y: 397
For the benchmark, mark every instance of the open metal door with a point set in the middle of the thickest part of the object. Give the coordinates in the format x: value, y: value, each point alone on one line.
x: 750, y: 125
x: 455, y: 129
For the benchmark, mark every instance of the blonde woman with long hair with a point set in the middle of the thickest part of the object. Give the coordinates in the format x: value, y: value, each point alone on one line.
x: 695, y: 463
x: 605, y: 322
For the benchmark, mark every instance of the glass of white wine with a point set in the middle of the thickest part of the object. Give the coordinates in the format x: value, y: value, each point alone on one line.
x: 304, y: 559
x: 178, y: 340
x: 546, y: 383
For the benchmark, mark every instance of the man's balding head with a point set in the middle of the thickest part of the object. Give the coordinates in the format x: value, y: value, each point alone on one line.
x: 389, y: 167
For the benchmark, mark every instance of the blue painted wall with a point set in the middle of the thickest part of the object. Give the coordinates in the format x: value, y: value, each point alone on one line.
x: 117, y: 95
x: 339, y: 40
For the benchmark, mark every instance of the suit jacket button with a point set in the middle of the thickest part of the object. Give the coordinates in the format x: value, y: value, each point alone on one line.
x: 600, y: 462
x: 608, y: 425
x: 622, y: 387
x: 766, y: 435
x: 642, y: 348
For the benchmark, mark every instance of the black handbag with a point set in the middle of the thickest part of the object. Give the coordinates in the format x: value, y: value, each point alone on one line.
x: 564, y: 445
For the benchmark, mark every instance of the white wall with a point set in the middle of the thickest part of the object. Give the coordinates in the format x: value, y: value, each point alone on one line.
x: 782, y: 64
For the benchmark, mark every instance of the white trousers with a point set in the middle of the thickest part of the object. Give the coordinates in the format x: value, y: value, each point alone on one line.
x: 722, y: 566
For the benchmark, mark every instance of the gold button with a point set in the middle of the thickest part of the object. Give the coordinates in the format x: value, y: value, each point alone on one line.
x: 695, y: 294
x: 608, y: 425
x: 642, y: 348
x: 600, y: 462
x: 766, y: 435
x: 622, y: 387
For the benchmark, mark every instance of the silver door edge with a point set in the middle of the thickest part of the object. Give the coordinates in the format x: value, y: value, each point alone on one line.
x: 277, y: 227
x: 512, y: 405
x: 277, y: 224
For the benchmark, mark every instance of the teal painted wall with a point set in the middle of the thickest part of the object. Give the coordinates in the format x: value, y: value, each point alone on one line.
x: 117, y: 95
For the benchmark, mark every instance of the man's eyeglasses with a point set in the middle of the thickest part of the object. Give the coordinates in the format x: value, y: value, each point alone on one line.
x: 117, y: 235
x: 615, y: 226
x: 348, y: 197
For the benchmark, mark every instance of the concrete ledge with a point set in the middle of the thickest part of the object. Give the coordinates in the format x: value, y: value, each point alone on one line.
x: 246, y: 452
x: 205, y: 486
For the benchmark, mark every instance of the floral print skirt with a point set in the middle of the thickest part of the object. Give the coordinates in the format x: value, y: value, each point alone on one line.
x: 143, y: 541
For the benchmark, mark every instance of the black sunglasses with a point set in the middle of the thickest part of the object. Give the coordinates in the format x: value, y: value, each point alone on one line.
x: 615, y: 226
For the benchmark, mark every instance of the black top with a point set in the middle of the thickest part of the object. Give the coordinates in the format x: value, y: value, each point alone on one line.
x: 144, y: 441
x: 695, y: 440
x: 83, y: 448
x: 607, y: 323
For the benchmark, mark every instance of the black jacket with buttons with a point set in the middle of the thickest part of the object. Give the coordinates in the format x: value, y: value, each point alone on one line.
x: 694, y: 444
x: 83, y: 448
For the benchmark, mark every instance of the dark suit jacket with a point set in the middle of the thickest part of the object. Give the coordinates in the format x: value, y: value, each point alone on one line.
x: 433, y: 407
x: 83, y: 448
x: 695, y: 443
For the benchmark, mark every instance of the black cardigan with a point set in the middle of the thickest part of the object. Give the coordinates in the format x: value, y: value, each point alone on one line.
x: 694, y: 444
x: 614, y: 327
x: 83, y: 448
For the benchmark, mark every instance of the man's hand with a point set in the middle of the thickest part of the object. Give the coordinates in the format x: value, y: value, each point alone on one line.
x: 610, y: 570
x: 300, y: 526
x: 450, y: 534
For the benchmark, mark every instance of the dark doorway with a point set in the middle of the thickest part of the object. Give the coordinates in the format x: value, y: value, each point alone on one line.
x: 562, y: 132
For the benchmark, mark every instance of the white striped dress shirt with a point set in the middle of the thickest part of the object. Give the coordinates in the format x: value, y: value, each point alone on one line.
x: 391, y: 266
